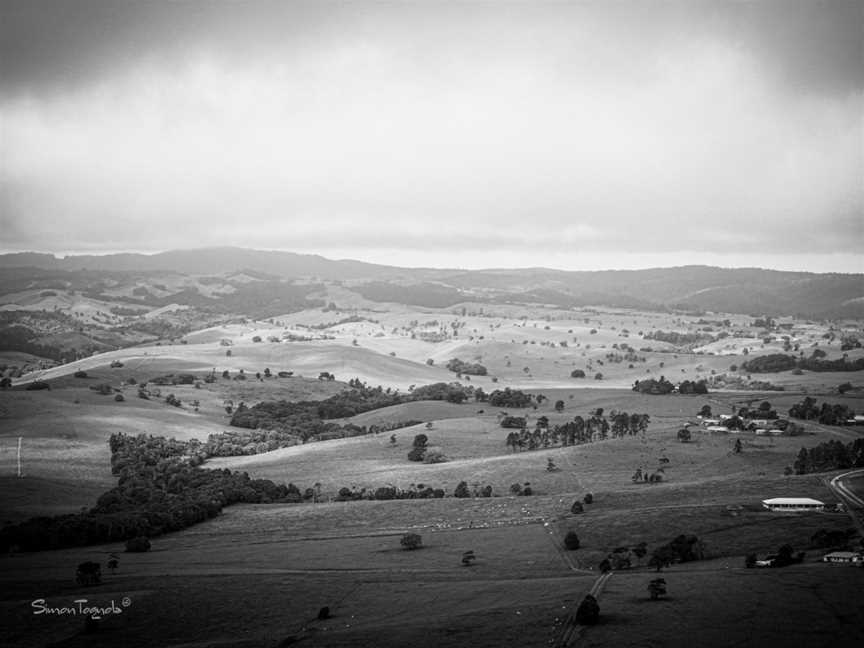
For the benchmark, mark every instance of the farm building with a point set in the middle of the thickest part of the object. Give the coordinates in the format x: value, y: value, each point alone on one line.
x: 793, y: 504
x: 844, y: 557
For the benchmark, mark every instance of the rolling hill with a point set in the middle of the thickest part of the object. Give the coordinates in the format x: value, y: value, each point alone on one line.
x: 731, y: 290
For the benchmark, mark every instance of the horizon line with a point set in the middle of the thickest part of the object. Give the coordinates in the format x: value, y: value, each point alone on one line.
x: 64, y: 255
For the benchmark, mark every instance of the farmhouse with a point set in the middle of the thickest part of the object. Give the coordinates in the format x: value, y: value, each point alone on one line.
x: 793, y: 504
x: 844, y: 557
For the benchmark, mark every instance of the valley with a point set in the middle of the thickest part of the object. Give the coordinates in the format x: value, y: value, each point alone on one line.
x: 257, y: 573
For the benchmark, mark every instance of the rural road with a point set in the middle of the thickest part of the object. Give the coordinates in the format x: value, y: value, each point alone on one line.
x: 849, y: 487
x: 570, y: 630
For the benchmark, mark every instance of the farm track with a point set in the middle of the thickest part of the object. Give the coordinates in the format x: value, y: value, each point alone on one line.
x: 853, y: 501
x: 570, y: 630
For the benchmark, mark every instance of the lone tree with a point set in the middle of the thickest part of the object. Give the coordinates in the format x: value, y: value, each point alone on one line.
x: 738, y: 447
x: 571, y: 541
x: 684, y: 435
x: 589, y: 498
x: 88, y: 573
x: 468, y: 558
x: 588, y: 612
x: 411, y: 541
x: 559, y: 406
x: 657, y: 588
x: 462, y: 490
x: 577, y: 508
x: 418, y: 452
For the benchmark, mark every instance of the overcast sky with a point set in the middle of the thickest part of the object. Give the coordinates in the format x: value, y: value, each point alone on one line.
x: 569, y: 135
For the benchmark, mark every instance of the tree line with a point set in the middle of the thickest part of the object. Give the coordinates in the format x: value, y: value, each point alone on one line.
x: 777, y: 362
x: 831, y: 455
x: 827, y: 413
x: 595, y: 427
x: 159, y: 490
x: 663, y: 386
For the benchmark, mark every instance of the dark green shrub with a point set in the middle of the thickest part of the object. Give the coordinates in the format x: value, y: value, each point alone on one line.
x: 138, y: 545
x: 411, y: 541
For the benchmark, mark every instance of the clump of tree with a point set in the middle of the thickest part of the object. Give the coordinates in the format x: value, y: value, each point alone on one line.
x: 521, y: 489
x: 826, y: 413
x: 510, y: 398
x: 777, y: 362
x: 763, y: 411
x: 684, y: 548
x: 418, y: 450
x: 840, y: 364
x: 653, y: 386
x: 678, y: 339
x: 471, y: 369
x: 786, y: 556
x: 693, y: 387
x: 139, y: 544
x: 771, y: 363
x: 517, y: 422
x: 577, y: 373
x: 833, y: 538
x: 830, y: 455
x: 389, y: 492
x: 450, y: 392
x: 411, y: 541
x: 663, y: 386
x: 646, y: 477
x: 434, y: 456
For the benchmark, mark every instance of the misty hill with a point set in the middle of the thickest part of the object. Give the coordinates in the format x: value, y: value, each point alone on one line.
x: 740, y: 290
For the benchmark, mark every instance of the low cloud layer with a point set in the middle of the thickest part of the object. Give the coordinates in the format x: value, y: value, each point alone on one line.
x: 535, y: 133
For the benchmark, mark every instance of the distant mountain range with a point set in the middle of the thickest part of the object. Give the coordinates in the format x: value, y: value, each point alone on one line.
x: 739, y: 290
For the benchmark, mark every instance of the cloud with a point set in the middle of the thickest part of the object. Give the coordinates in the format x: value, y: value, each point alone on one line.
x: 535, y: 131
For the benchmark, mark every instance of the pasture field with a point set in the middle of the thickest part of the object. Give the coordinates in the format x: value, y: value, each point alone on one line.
x: 809, y: 605
x: 257, y: 575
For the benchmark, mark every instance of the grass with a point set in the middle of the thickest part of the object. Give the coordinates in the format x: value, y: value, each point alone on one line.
x: 807, y: 605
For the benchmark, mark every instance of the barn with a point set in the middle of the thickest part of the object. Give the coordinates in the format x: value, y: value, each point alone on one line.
x: 843, y: 557
x: 793, y: 504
